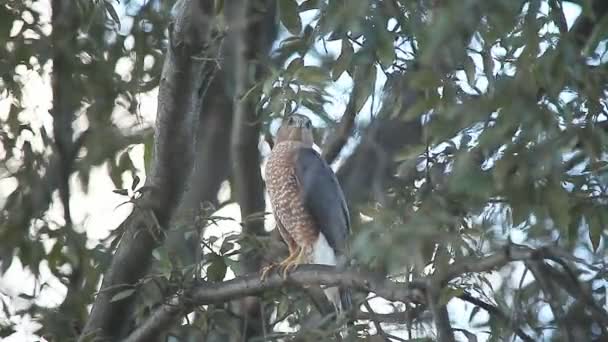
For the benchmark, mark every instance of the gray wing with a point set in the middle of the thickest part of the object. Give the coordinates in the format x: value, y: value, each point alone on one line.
x: 323, y: 197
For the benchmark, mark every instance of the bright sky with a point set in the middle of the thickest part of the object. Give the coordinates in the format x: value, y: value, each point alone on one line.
x: 98, y: 211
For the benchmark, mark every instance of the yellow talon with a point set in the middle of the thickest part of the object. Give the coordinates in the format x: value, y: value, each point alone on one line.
x: 292, y: 262
x: 266, y: 270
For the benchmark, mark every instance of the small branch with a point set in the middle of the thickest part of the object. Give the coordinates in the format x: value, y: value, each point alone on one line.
x: 339, y: 137
x: 494, y: 310
x: 540, y: 273
x: 376, y: 319
x: 491, y: 262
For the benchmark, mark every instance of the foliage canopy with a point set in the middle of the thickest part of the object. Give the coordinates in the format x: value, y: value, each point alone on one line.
x: 456, y: 127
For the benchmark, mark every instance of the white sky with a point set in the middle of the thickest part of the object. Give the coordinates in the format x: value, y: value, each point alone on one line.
x: 97, y: 210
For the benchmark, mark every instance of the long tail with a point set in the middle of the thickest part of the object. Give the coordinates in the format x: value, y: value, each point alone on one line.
x: 341, y: 298
x: 346, y: 299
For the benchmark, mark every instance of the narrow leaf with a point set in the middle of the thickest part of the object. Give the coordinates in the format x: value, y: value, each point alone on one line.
x: 135, y: 182
x: 288, y: 12
x: 343, y: 61
x: 112, y: 12
x: 124, y: 192
x: 122, y: 295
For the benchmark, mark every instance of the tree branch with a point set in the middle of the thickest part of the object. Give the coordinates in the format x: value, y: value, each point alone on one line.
x: 550, y: 292
x: 252, y: 34
x: 251, y: 285
x: 178, y: 109
x: 415, y: 291
x: 339, y: 137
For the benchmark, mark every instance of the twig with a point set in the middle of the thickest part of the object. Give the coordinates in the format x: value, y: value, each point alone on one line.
x: 540, y: 273
x: 375, y: 321
x: 494, y: 310
x: 334, y: 145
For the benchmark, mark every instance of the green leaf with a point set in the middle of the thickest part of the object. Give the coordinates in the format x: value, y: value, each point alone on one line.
x: 470, y: 69
x: 364, y: 83
x: 595, y: 230
x: 294, y: 66
x: 122, y: 295
x: 6, y: 331
x: 447, y: 293
x: 218, y: 6
x: 312, y: 75
x: 343, y: 61
x: 288, y: 12
x: 559, y: 206
x: 148, y: 150
x: 386, y: 48
x: 217, y: 270
x: 573, y: 227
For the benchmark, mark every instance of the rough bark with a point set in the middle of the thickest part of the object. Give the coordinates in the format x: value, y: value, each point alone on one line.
x: 178, y: 111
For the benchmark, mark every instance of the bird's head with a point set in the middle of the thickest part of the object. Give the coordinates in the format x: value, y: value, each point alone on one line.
x: 296, y: 127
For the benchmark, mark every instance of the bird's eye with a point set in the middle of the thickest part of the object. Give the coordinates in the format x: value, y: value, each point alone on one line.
x: 290, y: 120
x: 308, y: 124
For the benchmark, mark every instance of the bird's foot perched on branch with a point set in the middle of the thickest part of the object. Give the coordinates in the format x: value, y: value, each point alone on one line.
x: 267, y: 269
x: 292, y: 262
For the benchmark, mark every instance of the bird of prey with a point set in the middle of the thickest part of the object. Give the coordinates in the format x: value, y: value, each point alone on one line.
x: 308, y: 203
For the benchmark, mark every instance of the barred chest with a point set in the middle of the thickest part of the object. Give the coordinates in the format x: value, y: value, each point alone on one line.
x: 284, y: 193
x: 280, y: 177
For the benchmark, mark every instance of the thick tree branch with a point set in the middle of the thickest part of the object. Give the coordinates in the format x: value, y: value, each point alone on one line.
x: 252, y: 32
x: 178, y: 109
x: 414, y: 291
x: 373, y: 157
x: 251, y: 285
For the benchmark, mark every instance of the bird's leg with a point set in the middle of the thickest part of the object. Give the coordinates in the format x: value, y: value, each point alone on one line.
x: 266, y: 270
x: 293, y: 261
x: 292, y: 254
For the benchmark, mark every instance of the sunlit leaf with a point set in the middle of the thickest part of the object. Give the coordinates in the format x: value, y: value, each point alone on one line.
x: 122, y: 295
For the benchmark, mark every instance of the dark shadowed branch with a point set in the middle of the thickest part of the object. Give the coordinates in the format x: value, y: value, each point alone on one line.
x: 251, y: 37
x: 439, y: 311
x: 340, y: 135
x: 550, y: 291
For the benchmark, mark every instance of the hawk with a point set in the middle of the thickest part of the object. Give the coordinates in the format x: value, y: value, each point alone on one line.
x: 308, y: 203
